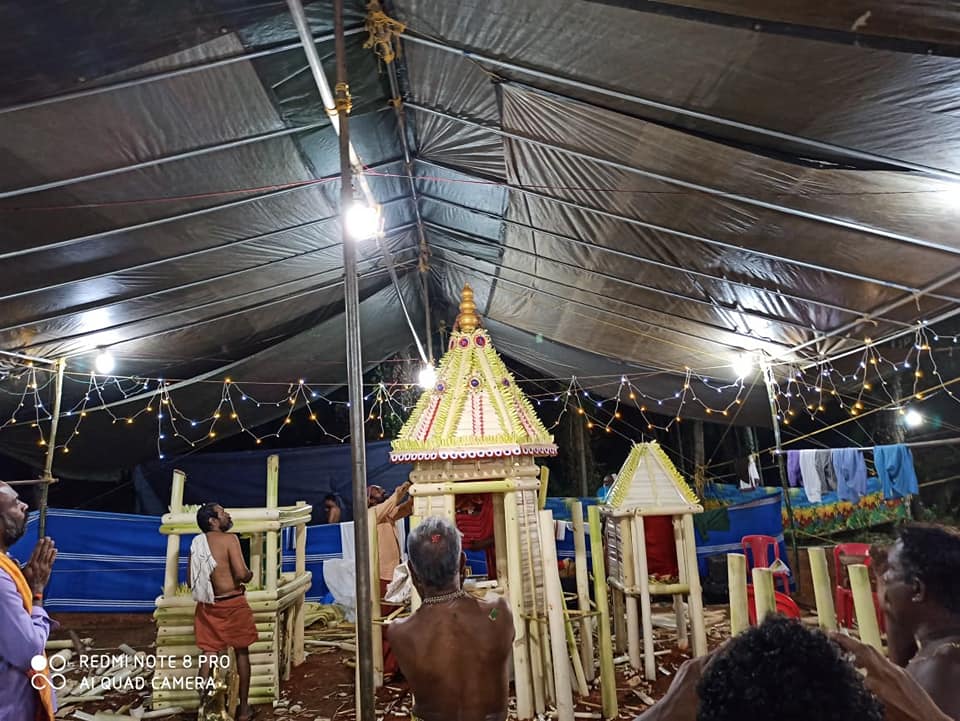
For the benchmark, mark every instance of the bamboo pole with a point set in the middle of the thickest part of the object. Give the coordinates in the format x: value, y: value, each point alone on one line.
x: 583, y: 590
x: 579, y: 677
x: 273, y: 481
x: 554, y: 595
x: 864, y: 607
x: 819, y: 571
x: 737, y: 585
x: 678, y: 606
x: 256, y: 559
x: 764, y: 595
x: 630, y: 575
x: 172, y: 573
x: 608, y: 679
x: 499, y: 538
x: 299, y: 656
x: 61, y: 366
x: 375, y: 610
x: 643, y: 577
x: 544, y: 485
x: 695, y: 594
x: 473, y: 487
x: 514, y: 585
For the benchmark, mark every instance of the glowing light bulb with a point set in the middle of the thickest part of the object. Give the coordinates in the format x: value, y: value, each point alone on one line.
x: 104, y: 362
x: 742, y: 365
x: 427, y: 376
x: 913, y: 418
x: 362, y: 221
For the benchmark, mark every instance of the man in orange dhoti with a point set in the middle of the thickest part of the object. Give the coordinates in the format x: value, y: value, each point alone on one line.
x: 223, y: 617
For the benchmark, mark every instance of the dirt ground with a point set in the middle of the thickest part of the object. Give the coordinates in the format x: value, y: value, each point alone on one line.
x: 321, y: 689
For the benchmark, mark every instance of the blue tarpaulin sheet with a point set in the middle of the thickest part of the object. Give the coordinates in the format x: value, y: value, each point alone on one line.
x: 240, y: 479
x: 114, y: 562
x: 754, y: 512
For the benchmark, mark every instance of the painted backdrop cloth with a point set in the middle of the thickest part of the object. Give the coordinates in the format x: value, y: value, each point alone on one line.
x: 825, y: 469
x: 895, y: 468
x: 793, y: 468
x: 810, y: 475
x: 224, y: 624
x: 851, y: 471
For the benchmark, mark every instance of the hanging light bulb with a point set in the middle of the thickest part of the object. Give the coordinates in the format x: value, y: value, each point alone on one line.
x: 427, y: 376
x: 742, y: 365
x: 913, y: 418
x: 362, y: 221
x: 104, y: 362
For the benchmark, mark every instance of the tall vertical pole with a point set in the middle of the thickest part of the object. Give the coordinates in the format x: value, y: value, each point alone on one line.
x: 51, y: 446
x: 365, y: 669
x: 781, y: 466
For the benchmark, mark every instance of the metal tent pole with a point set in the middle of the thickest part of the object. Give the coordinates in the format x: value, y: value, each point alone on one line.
x: 51, y: 446
x: 340, y: 120
x: 781, y: 466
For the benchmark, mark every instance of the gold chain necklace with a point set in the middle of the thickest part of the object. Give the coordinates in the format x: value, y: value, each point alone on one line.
x: 452, y: 596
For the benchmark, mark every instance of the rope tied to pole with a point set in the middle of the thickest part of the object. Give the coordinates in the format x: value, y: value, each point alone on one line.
x: 342, y: 100
x: 384, y: 33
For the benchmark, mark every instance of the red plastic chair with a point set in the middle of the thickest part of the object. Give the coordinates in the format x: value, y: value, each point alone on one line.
x: 757, y: 551
x: 786, y: 606
x: 842, y: 595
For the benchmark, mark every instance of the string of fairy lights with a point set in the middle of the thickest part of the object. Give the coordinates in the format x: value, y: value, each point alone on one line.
x: 813, y: 391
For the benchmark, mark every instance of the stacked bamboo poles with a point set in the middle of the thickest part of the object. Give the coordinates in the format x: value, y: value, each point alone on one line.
x: 629, y: 579
x: 555, y: 616
x: 583, y: 591
x: 277, y: 603
x: 608, y: 680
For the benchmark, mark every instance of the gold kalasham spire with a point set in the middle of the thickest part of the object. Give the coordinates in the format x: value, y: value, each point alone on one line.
x: 468, y: 320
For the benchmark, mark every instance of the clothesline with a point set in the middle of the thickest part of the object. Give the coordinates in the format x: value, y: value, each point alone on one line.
x: 910, y: 444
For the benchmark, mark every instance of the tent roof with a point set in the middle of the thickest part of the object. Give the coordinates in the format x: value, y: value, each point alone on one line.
x: 643, y: 189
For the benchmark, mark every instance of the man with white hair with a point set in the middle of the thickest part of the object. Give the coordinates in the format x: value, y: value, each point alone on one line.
x: 455, y: 649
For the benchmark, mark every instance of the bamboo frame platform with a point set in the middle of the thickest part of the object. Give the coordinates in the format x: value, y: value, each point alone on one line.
x: 276, y: 598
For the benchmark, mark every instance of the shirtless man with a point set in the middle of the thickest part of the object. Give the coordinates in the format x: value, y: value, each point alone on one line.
x: 919, y: 589
x: 455, y: 649
x: 223, y: 617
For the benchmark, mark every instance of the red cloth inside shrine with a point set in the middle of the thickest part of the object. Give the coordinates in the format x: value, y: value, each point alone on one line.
x: 475, y: 521
x: 661, y: 548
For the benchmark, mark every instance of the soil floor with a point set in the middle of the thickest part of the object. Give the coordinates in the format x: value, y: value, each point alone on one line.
x: 322, y: 688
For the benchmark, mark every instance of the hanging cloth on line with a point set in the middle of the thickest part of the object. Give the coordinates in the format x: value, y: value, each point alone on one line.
x: 894, y: 466
x: 851, y: 472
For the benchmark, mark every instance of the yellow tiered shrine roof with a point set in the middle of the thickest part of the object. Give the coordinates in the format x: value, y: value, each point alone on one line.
x: 475, y: 408
x: 648, y: 480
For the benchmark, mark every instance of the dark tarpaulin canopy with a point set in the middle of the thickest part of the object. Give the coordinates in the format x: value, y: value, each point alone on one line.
x: 631, y: 188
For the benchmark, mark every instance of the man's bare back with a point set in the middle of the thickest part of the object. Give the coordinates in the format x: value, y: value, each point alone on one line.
x: 455, y: 655
x: 226, y: 551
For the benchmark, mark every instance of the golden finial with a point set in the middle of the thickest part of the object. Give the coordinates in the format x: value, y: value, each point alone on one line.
x: 468, y: 320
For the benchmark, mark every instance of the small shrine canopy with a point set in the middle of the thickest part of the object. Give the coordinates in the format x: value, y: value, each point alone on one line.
x: 648, y: 480
x: 475, y: 409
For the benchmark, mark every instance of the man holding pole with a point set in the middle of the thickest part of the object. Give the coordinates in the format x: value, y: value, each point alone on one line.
x: 223, y: 617
x: 455, y: 649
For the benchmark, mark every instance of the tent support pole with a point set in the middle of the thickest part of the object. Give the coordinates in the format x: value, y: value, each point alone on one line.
x: 340, y: 120
x: 51, y: 446
x: 781, y: 467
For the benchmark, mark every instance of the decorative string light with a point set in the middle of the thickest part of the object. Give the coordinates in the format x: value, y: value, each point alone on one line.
x: 809, y: 391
